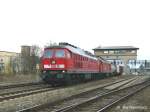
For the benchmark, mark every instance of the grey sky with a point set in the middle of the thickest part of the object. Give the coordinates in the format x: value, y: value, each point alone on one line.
x: 84, y: 23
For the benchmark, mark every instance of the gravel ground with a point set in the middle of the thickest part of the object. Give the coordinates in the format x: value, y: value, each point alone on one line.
x: 19, y: 78
x: 51, y: 96
x: 139, y: 102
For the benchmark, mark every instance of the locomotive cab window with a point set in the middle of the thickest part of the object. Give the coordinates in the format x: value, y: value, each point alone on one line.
x: 60, y: 53
x: 48, y: 53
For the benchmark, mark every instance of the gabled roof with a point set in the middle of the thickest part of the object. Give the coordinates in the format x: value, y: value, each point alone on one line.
x: 9, y: 52
x: 116, y: 48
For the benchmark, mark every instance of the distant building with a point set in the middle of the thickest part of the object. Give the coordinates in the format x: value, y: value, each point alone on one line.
x: 18, y: 63
x: 6, y: 61
x: 25, y: 50
x: 117, y: 54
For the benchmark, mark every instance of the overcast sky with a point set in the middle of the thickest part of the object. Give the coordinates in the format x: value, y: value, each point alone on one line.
x: 84, y: 23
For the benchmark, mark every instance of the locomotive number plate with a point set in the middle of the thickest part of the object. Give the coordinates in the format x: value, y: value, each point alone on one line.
x: 54, y: 66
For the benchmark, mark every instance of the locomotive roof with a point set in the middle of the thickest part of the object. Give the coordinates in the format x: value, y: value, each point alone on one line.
x: 75, y: 50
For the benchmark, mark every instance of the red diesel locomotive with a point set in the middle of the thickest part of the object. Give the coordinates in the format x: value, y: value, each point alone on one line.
x: 66, y: 63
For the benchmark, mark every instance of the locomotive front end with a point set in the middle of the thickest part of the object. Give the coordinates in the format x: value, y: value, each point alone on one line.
x: 53, y: 65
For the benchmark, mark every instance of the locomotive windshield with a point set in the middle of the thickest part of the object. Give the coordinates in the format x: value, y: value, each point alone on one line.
x: 60, y: 53
x: 48, y: 53
x: 56, y: 53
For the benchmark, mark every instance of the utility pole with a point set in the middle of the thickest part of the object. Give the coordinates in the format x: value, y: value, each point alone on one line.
x: 135, y: 65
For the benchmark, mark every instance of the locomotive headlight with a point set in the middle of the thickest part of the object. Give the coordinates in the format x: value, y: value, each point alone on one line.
x: 63, y: 71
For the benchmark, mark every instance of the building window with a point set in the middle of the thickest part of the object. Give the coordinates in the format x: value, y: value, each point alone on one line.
x: 120, y: 52
x: 105, y: 52
x: 1, y: 60
x: 133, y: 51
x: 117, y: 52
x: 111, y: 52
x: 117, y: 57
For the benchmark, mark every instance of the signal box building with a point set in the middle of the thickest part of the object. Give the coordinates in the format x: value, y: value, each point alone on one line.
x: 117, y: 54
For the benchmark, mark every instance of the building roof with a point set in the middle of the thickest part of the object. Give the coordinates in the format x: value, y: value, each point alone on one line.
x: 8, y: 53
x: 116, y: 48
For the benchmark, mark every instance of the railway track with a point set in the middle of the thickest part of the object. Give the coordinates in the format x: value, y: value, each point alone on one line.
x: 77, y: 100
x: 20, y: 90
x: 22, y: 93
x: 7, y: 86
x: 102, y: 102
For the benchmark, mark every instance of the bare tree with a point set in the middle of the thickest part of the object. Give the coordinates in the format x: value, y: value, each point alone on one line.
x: 35, y: 57
x: 50, y: 43
x: 35, y: 50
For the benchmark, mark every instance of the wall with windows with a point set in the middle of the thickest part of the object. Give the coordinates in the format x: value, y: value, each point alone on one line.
x: 6, y: 61
x: 115, y: 52
x: 117, y: 55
